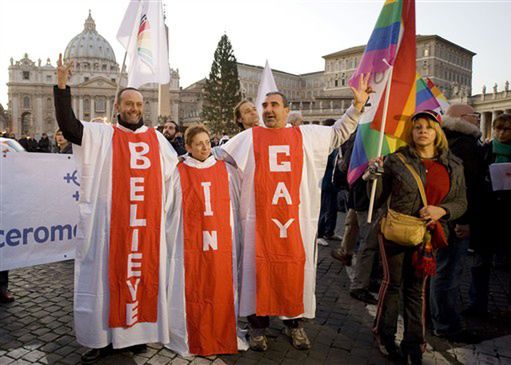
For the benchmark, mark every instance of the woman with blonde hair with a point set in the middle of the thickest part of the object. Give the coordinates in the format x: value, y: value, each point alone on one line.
x: 425, y: 163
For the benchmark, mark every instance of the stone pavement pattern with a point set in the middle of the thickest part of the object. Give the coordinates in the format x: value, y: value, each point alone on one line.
x: 38, y: 327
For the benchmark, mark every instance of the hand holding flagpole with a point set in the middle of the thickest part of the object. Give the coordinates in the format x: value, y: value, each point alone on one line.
x: 380, y: 140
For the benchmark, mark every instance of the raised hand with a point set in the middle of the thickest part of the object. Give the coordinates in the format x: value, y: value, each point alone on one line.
x: 362, y: 91
x: 63, y: 72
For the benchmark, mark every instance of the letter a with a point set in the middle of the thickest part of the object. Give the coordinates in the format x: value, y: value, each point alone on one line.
x: 281, y: 192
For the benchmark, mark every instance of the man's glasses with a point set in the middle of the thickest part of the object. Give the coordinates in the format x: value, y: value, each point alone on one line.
x: 475, y: 115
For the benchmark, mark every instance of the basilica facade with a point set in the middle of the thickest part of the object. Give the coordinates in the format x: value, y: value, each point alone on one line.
x: 94, y: 83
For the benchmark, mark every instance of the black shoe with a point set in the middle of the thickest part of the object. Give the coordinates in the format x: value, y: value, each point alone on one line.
x: 363, y: 295
x: 464, y: 336
x: 413, y: 355
x: 6, y: 296
x: 137, y: 349
x: 94, y: 355
x: 473, y: 311
x: 390, y: 351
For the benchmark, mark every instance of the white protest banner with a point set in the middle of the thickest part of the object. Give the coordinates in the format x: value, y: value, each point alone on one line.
x: 501, y: 176
x: 39, y: 208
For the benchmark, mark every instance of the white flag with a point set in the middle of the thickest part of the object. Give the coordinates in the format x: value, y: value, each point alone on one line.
x: 266, y: 85
x: 142, y: 34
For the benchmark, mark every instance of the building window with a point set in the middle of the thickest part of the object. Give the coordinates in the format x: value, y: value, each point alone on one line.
x: 86, y: 105
x: 26, y: 75
x: 48, y: 78
x: 99, y: 105
x: 85, y: 79
x: 343, y: 82
x: 103, y: 68
x: 113, y: 80
x: 426, y: 52
x: 336, y: 83
x: 26, y: 102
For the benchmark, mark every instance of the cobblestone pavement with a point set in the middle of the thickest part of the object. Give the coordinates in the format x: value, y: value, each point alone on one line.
x: 38, y: 326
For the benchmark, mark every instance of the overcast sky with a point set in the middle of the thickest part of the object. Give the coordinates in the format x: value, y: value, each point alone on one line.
x: 293, y: 35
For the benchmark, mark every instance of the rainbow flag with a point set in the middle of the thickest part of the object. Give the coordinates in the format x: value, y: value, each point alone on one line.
x: 392, y: 44
x: 425, y: 100
x: 439, y: 96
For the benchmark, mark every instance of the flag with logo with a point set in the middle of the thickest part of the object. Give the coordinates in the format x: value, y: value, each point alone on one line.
x: 390, y: 59
x: 142, y: 34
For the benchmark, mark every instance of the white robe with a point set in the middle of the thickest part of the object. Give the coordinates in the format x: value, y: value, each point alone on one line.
x: 91, y: 293
x: 176, y: 290
x: 318, y: 142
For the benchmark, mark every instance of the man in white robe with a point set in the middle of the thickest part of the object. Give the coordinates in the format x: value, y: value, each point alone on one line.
x: 94, y: 145
x: 308, y: 156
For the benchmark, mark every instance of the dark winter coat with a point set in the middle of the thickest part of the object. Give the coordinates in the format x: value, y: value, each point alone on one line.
x: 399, y: 182
x: 495, y: 212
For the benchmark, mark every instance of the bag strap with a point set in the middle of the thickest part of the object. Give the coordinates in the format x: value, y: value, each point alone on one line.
x: 416, y: 177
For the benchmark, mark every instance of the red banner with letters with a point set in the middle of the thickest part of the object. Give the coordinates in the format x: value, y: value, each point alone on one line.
x: 209, y: 290
x: 280, y: 256
x: 134, y: 255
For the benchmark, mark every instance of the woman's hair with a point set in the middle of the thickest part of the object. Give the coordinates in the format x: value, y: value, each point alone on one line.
x: 440, y: 139
x: 502, y: 120
x: 193, y: 130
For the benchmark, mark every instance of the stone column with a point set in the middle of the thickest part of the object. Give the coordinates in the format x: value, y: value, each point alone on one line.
x: 91, y: 107
x: 16, y: 120
x: 80, y: 110
x: 108, y: 113
x: 39, y: 122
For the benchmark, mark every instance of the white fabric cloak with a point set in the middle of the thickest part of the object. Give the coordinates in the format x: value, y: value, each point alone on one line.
x: 91, y: 293
x: 318, y: 142
x: 175, y: 239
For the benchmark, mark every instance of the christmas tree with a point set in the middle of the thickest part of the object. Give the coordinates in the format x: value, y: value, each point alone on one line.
x: 222, y: 90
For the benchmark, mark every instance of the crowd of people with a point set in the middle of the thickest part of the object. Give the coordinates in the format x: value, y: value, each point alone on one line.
x: 213, y: 231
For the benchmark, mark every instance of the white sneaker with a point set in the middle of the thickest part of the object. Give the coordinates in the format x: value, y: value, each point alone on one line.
x: 321, y: 241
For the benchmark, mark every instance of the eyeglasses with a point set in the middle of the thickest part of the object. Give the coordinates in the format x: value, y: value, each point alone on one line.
x: 475, y: 115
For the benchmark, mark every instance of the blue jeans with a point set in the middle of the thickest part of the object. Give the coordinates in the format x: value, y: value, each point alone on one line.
x: 328, y: 213
x: 445, y: 287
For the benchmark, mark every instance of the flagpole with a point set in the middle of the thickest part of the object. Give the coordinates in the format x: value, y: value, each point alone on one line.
x: 380, y: 140
x: 119, y: 78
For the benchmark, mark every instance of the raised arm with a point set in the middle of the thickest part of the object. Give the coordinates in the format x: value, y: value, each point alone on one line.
x: 345, y: 126
x: 72, y: 128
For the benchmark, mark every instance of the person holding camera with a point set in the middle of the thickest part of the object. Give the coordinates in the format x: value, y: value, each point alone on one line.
x: 422, y: 183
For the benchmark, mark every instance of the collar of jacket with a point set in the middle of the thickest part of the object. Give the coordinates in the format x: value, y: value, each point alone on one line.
x: 462, y: 126
x: 445, y: 157
x: 129, y: 126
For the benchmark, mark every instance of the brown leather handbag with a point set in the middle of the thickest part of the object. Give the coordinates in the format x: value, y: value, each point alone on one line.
x: 405, y: 229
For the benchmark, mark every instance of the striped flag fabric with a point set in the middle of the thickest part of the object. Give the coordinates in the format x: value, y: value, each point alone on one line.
x: 425, y: 100
x: 389, y: 54
x: 439, y: 96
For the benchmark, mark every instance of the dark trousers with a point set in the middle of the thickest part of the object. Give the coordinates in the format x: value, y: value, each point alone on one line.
x: 4, y: 280
x: 261, y: 322
x: 327, y: 213
x: 399, y: 274
x: 480, y: 284
x: 445, y: 287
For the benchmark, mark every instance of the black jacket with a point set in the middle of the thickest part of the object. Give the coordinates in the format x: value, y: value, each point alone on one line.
x: 398, y: 184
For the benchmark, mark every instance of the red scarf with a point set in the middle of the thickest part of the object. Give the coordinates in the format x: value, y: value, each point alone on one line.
x: 280, y: 256
x: 134, y: 256
x: 209, y: 292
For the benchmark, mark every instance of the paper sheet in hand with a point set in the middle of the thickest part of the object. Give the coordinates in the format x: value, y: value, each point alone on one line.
x: 501, y: 176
